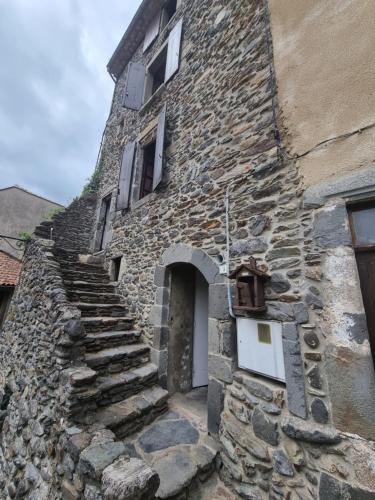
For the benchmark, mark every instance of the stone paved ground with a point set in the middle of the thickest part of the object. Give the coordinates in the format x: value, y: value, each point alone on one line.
x: 177, y: 446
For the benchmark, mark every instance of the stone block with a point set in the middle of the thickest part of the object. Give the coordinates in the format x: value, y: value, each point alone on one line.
x: 257, y: 388
x: 166, y: 434
x: 160, y: 359
x: 290, y: 332
x: 94, y: 459
x: 280, y: 311
x: 279, y: 283
x: 214, y: 336
x: 221, y: 368
x: 301, y: 313
x: 309, y: 432
x: 206, y: 266
x: 161, y: 337
x: 282, y: 463
x: 68, y: 491
x: 352, y: 395
x: 215, y: 404
x: 229, y: 339
x: 331, y: 227
x: 319, y: 411
x: 129, y: 479
x: 357, y: 325
x: 92, y: 493
x: 161, y: 276
x: 176, y: 470
x: 159, y: 316
x: 178, y: 254
x: 294, y: 377
x: 264, y: 428
x: 332, y: 489
x: 162, y: 296
x: 77, y: 443
x: 218, y: 302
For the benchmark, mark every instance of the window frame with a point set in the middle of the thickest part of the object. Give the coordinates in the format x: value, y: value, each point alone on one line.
x: 357, y: 207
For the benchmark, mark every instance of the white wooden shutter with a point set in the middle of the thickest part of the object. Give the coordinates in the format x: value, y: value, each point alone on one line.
x: 126, y: 172
x: 135, y: 82
x: 152, y: 32
x: 174, y: 48
x: 159, y: 149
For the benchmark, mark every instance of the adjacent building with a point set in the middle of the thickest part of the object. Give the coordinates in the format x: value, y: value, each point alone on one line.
x: 10, y: 269
x: 20, y: 212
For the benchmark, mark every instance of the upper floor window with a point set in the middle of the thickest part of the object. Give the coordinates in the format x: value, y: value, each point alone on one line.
x: 142, y: 82
x: 159, y: 22
x: 148, y: 165
x: 149, y: 160
x: 168, y: 12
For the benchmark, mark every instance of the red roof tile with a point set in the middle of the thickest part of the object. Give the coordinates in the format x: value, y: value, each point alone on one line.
x: 10, y: 269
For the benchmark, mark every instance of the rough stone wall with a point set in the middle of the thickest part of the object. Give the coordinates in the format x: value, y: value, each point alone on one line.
x: 34, y: 349
x: 73, y: 229
x: 270, y: 455
x: 221, y: 130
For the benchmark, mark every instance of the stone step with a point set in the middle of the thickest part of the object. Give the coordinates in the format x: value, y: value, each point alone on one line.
x: 183, y: 470
x: 80, y: 266
x: 67, y: 255
x: 118, y: 359
x: 91, y: 277
x: 42, y: 232
x: 77, y: 286
x: 107, y: 324
x: 132, y: 414
x: 93, y: 297
x: 94, y: 310
x: 116, y: 388
x: 97, y: 341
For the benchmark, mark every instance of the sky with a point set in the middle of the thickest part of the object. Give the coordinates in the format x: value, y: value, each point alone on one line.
x: 55, y: 92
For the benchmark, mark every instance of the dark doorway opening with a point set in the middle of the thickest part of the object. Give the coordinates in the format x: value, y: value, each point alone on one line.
x: 6, y: 294
x: 362, y: 224
x: 115, y: 268
x: 105, y: 221
x: 188, y: 330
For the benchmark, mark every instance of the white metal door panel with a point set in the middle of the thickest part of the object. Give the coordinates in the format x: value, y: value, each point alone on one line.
x: 263, y: 355
x: 200, y: 338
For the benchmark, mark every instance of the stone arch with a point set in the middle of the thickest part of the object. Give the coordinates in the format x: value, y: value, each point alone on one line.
x: 221, y: 357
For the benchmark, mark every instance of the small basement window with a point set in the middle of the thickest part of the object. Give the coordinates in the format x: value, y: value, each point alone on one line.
x: 168, y: 12
x: 147, y: 179
x: 115, y: 268
x: 156, y: 73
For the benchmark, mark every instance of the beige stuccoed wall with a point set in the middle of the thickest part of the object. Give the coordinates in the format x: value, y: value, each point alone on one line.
x: 324, y: 54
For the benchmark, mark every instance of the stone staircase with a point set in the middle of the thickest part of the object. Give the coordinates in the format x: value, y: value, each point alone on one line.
x: 112, y: 398
x: 118, y: 386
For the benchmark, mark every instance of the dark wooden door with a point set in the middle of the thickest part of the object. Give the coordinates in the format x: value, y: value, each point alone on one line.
x: 106, y: 206
x: 362, y: 223
x: 366, y: 268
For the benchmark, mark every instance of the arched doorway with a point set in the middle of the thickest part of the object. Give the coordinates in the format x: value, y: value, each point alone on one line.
x: 188, y: 330
x: 182, y: 263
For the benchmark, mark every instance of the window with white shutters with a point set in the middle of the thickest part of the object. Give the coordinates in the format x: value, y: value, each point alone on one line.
x: 165, y: 64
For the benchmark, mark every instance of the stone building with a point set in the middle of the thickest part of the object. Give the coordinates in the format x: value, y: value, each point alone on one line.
x: 10, y: 269
x: 20, y: 212
x: 238, y: 130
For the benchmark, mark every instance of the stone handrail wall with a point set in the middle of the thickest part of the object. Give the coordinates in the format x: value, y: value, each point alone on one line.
x: 72, y: 229
x: 36, y: 344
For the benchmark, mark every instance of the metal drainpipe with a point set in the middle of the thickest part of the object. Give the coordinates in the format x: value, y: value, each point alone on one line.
x: 229, y: 295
